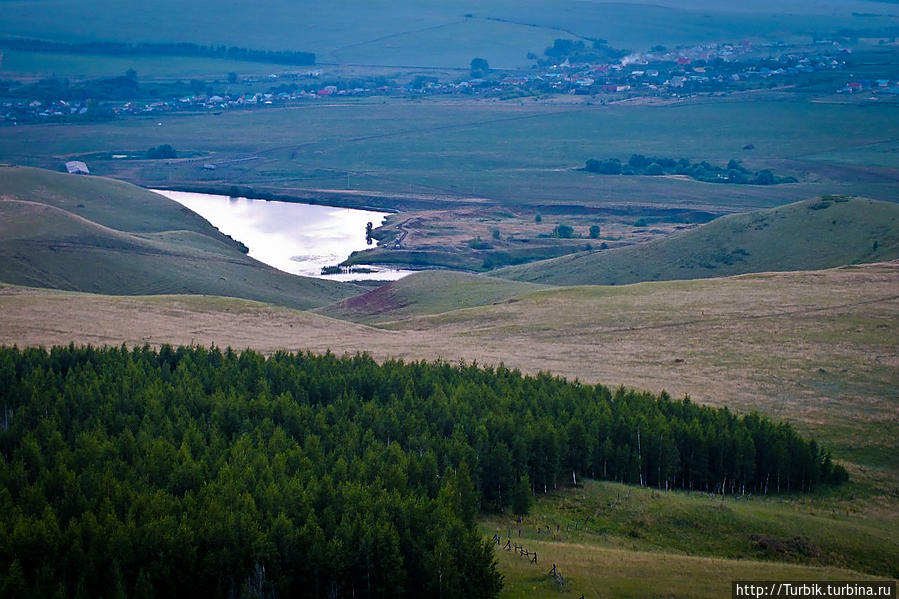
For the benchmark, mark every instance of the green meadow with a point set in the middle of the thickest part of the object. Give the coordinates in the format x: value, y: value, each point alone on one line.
x: 457, y: 150
x: 612, y: 540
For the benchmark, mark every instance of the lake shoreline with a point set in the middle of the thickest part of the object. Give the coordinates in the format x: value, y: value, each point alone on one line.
x: 298, y: 238
x: 337, y: 198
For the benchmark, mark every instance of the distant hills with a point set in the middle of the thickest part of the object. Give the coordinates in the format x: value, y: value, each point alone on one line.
x: 102, y: 236
x: 807, y: 235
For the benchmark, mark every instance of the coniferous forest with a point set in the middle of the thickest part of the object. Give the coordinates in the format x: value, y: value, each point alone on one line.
x: 196, y: 472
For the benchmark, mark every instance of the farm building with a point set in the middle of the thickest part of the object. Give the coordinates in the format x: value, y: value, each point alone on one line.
x: 76, y: 167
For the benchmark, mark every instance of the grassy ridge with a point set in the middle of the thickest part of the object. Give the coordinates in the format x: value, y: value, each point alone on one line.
x: 428, y: 292
x: 806, y: 235
x: 90, y: 234
x: 114, y: 204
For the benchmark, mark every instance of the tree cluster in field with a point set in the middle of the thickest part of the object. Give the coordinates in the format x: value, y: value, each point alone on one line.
x: 161, y: 151
x: 563, y: 231
x: 639, y: 164
x: 285, y: 57
x: 479, y: 68
x: 202, y: 473
x: 576, y: 51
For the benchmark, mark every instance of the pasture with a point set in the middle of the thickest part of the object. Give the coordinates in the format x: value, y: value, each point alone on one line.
x: 612, y: 540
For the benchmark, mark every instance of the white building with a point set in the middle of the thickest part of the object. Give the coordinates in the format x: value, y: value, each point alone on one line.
x: 76, y: 167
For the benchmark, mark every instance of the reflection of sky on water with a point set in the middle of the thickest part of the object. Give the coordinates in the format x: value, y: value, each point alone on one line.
x: 296, y: 238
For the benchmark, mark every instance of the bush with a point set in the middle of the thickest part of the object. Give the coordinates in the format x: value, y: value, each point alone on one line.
x: 764, y: 177
x: 478, y: 244
x: 563, y: 231
x: 163, y: 151
x: 638, y: 161
x: 479, y: 67
x: 610, y: 167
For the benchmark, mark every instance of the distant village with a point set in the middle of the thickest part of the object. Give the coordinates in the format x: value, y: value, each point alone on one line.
x: 660, y: 73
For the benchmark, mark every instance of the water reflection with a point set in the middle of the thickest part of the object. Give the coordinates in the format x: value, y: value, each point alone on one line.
x: 297, y: 238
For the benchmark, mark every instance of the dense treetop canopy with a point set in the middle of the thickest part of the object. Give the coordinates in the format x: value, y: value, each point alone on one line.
x: 197, y: 472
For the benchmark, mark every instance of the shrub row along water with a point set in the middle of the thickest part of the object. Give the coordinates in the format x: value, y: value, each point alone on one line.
x: 196, y: 472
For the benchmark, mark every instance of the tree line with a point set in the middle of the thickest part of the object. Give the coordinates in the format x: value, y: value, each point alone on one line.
x: 50, y: 89
x: 285, y: 57
x: 201, y: 472
x: 639, y: 164
x: 576, y: 51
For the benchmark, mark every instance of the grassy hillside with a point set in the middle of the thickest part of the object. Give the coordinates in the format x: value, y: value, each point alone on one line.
x: 90, y: 234
x: 428, y: 292
x: 610, y: 536
x: 808, y: 235
x: 114, y: 204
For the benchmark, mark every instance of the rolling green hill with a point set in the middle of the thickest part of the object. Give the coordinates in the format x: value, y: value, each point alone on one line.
x: 114, y: 204
x: 807, y: 235
x: 91, y: 234
x: 424, y: 293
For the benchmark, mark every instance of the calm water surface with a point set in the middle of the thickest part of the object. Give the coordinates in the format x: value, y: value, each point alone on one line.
x: 296, y: 238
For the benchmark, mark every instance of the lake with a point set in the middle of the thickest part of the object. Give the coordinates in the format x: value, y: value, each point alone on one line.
x: 293, y: 237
